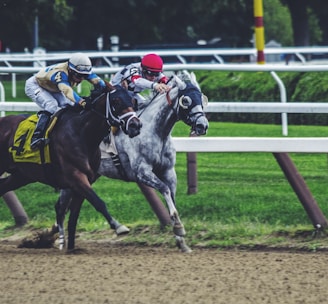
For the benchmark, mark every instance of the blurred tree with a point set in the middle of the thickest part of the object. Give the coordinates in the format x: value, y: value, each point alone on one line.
x: 17, y: 20
x: 277, y: 22
x: 15, y: 16
x: 53, y: 19
x: 305, y: 24
x: 76, y: 25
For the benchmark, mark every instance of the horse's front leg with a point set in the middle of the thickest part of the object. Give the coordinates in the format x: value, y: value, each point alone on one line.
x: 75, y: 207
x: 168, y: 178
x: 151, y: 180
x: 178, y: 227
x: 61, y: 208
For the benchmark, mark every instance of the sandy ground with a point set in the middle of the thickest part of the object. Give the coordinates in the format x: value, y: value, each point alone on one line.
x: 102, y: 272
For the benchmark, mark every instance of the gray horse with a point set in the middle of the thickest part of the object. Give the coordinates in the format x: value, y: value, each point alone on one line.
x: 149, y: 158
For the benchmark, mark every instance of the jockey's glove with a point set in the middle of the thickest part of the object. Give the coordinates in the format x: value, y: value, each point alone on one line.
x: 160, y: 87
x: 86, y: 103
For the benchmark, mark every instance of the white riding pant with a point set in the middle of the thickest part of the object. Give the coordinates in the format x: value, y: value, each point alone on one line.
x: 48, y: 101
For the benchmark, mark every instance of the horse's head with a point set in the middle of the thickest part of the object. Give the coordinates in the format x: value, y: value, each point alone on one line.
x: 120, y: 112
x: 190, y: 105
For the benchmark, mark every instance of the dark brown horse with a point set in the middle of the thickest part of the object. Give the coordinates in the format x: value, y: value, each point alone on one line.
x: 74, y: 151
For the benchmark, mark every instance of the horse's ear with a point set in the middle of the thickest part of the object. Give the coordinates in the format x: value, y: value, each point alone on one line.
x: 181, y: 84
x: 194, y: 81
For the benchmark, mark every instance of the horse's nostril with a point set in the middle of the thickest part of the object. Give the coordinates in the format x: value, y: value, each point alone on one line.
x: 201, y: 129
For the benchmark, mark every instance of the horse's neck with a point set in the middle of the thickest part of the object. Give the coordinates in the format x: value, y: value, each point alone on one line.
x: 160, y: 115
x: 94, y: 127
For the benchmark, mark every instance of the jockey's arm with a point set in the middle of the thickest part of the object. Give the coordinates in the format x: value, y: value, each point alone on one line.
x: 163, y: 78
x: 70, y: 93
x: 146, y: 84
x: 97, y: 82
x: 65, y: 87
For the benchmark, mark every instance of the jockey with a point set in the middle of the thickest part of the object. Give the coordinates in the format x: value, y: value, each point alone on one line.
x: 52, y: 89
x: 137, y: 77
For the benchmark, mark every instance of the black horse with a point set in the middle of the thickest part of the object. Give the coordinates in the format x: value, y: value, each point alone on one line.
x: 74, y: 152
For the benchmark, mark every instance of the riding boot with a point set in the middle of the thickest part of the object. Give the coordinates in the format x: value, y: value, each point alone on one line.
x: 40, y: 129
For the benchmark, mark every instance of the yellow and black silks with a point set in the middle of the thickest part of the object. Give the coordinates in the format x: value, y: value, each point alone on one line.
x: 21, y: 151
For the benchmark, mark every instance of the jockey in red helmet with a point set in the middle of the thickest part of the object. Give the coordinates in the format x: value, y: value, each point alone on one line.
x: 152, y: 63
x: 147, y: 74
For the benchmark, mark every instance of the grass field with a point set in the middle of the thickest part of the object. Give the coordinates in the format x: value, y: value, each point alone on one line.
x: 243, y: 199
x: 241, y: 196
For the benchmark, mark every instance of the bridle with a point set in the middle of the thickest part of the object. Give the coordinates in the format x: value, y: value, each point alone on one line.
x: 116, y: 120
x: 184, y: 102
x: 110, y: 116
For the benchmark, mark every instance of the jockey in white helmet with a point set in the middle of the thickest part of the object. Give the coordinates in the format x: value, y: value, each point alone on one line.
x: 52, y: 89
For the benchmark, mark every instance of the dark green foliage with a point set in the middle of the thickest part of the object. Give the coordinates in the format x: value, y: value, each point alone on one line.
x: 260, y: 86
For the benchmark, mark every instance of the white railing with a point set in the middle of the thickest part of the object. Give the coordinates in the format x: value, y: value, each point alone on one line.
x: 245, y: 67
x: 212, y: 107
x: 251, y: 144
x: 303, y: 54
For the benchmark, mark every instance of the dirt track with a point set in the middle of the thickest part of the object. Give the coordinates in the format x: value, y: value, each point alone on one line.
x: 107, y: 273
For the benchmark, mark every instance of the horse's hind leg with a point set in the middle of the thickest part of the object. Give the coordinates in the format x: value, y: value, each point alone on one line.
x: 12, y: 182
x: 100, y: 206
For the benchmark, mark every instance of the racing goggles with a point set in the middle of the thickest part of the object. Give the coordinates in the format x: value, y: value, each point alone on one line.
x: 78, y: 75
x: 151, y: 73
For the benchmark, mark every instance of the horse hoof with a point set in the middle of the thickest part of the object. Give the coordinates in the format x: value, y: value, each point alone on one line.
x: 181, y: 244
x: 179, y: 230
x: 186, y: 249
x: 122, y: 230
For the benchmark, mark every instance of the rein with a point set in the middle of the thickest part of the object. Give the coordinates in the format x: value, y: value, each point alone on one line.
x: 155, y: 97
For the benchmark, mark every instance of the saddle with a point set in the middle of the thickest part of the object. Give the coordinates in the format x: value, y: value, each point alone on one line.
x: 21, y: 150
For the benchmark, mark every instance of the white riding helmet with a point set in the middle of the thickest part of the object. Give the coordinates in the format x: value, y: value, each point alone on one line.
x: 80, y: 63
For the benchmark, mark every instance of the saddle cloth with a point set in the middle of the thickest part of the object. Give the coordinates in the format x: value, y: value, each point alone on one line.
x: 108, y: 149
x: 21, y: 151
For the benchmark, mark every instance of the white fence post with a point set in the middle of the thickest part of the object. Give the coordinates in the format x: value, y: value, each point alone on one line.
x: 283, y: 98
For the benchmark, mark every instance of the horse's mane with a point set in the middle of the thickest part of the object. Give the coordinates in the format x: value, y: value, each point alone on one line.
x: 154, y: 100
x: 186, y: 77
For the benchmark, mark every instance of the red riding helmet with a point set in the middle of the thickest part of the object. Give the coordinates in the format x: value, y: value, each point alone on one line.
x: 152, y: 62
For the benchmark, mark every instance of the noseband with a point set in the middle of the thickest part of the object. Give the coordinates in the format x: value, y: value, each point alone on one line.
x: 113, y: 119
x: 184, y: 101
